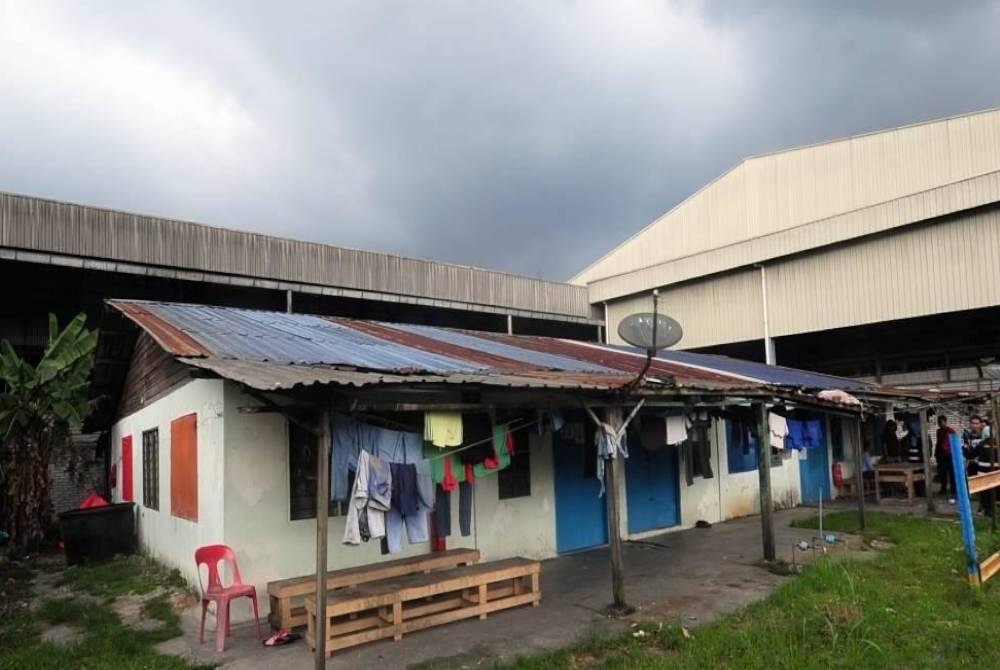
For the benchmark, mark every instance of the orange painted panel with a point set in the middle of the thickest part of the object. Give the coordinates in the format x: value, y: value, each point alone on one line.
x: 184, y: 467
x: 127, y: 490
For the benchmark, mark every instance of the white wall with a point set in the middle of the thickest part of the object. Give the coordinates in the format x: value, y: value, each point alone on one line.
x: 271, y: 546
x: 519, y: 526
x: 726, y: 496
x: 167, y: 538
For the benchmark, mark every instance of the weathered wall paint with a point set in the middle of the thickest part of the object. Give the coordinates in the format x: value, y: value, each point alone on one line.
x: 271, y: 546
x: 244, y: 495
x: 167, y: 538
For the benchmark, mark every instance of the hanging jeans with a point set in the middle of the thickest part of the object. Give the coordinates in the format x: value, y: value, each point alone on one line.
x: 465, y: 508
x: 442, y: 512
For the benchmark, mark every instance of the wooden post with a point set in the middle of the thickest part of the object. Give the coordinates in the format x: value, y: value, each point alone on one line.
x: 614, y: 516
x: 926, y: 449
x: 614, y: 533
x: 859, y: 475
x: 322, y: 511
x: 994, y: 427
x: 764, y: 474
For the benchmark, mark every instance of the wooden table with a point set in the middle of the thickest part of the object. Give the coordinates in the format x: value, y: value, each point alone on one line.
x: 899, y: 473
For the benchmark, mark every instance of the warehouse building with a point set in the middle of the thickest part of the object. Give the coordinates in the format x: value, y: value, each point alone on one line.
x: 876, y: 256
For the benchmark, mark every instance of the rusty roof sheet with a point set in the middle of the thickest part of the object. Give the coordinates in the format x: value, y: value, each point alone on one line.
x: 276, y: 350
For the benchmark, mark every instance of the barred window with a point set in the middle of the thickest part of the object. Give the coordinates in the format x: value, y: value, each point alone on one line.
x: 151, y: 469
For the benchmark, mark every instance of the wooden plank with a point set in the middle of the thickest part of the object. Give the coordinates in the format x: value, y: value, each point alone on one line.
x: 483, y: 597
x: 467, y: 612
x: 354, y: 625
x: 416, y: 611
x: 989, y: 567
x: 984, y: 482
x: 337, y: 579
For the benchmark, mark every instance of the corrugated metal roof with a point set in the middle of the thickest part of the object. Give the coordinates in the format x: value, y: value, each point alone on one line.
x: 303, y: 339
x: 276, y: 350
x: 498, y: 348
x: 273, y: 376
x: 769, y: 374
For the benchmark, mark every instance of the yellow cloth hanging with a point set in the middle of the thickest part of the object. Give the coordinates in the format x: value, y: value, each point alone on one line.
x: 443, y: 429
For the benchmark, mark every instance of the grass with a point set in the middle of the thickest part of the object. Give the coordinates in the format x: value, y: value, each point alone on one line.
x: 123, y: 575
x: 105, y: 642
x: 910, y: 607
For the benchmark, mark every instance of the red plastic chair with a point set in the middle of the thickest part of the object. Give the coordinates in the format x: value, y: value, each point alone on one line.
x: 212, y: 555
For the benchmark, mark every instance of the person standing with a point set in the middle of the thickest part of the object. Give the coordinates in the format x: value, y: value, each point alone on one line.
x: 987, y: 459
x: 890, y: 443
x: 942, y: 454
x: 972, y: 437
x: 972, y: 441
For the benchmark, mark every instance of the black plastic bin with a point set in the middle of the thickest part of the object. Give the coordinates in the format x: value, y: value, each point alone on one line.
x: 96, y: 534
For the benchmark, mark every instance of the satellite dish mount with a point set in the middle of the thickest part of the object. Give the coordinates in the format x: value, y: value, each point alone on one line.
x: 649, y: 331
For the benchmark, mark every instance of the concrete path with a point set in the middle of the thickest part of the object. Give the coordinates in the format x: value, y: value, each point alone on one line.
x: 691, y: 576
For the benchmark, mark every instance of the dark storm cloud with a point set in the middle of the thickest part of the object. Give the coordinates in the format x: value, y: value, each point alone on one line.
x: 523, y: 136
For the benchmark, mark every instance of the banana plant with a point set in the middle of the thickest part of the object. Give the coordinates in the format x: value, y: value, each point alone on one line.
x: 39, y: 405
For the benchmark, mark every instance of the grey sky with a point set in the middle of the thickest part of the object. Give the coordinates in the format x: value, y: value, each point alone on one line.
x: 524, y: 136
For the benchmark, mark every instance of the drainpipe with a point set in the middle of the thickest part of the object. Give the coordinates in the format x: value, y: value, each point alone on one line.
x: 769, y: 356
x: 607, y: 335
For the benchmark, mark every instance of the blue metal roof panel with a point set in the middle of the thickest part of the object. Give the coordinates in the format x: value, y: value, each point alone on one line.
x: 297, y: 338
x: 769, y: 374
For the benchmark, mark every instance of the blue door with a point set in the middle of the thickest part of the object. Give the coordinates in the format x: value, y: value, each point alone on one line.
x: 814, y: 472
x: 651, y: 489
x: 581, y: 517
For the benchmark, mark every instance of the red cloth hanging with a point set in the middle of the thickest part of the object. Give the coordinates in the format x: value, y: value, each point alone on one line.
x: 448, y: 482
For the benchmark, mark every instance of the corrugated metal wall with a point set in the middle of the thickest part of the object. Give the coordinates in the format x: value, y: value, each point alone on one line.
x: 964, y: 195
x: 931, y: 269
x: 776, y: 192
x: 714, y: 311
x: 48, y: 226
x: 928, y: 270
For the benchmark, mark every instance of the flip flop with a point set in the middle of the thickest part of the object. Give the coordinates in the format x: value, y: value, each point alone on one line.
x: 280, y: 638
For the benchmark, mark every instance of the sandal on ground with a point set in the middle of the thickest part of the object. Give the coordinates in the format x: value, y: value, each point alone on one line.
x: 282, y: 637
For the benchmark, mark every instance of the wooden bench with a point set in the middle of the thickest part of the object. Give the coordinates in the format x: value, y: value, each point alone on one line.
x: 286, y: 595
x: 395, y: 607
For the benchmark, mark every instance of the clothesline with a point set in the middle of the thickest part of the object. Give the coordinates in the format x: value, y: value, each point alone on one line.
x: 450, y: 452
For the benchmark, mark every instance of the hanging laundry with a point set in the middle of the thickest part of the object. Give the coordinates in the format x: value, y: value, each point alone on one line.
x: 379, y: 484
x: 442, y: 512
x: 676, y: 429
x: 477, y: 438
x: 814, y: 433
x: 557, y: 421
x: 352, y: 436
x: 609, y: 441
x: 465, y: 508
x: 778, y: 427
x: 404, y: 489
x: 363, y: 521
x: 443, y: 429
x: 501, y: 452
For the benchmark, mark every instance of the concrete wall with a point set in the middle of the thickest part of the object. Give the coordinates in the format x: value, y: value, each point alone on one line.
x: 519, y: 526
x: 244, y: 494
x: 271, y: 546
x: 727, y: 496
x: 167, y: 538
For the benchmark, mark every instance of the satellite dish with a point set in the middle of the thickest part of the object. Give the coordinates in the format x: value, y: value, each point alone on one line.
x: 650, y: 331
